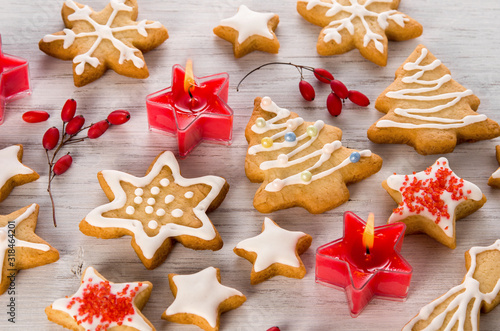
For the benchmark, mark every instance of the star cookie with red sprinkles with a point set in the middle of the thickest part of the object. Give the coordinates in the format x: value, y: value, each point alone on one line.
x: 99, y: 305
x: 432, y: 200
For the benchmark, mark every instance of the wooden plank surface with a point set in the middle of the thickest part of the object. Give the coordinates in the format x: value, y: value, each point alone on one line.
x: 463, y: 34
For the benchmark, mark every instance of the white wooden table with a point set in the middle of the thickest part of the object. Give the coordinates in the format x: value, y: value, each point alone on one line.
x: 463, y: 34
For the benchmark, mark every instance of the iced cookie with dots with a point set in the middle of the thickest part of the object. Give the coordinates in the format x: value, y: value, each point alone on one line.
x: 363, y: 24
x: 157, y: 210
x: 430, y: 201
x: 249, y: 31
x: 428, y: 110
x: 274, y: 252
x: 99, y: 304
x: 200, y: 299
x: 20, y: 247
x: 12, y: 172
x: 109, y: 39
x: 300, y: 163
x: 460, y: 307
x: 494, y: 180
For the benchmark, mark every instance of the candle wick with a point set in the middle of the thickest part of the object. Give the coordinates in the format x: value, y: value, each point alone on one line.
x: 367, y: 250
x: 192, y: 100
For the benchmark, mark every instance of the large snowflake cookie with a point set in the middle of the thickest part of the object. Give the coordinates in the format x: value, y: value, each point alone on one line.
x: 428, y: 110
x: 200, y: 298
x: 300, y: 163
x: 12, y: 171
x: 100, y: 305
x: 460, y: 307
x: 362, y: 24
x: 274, y: 252
x: 157, y: 210
x: 495, y: 178
x: 249, y: 30
x: 432, y: 200
x: 109, y: 39
x: 20, y: 247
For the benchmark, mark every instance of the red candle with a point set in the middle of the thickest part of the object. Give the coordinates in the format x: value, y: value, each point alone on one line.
x: 365, y: 272
x: 14, y: 79
x: 193, y: 108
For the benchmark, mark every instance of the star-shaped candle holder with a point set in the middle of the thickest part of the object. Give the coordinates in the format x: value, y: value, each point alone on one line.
x: 194, y: 109
x: 14, y: 79
x: 381, y: 271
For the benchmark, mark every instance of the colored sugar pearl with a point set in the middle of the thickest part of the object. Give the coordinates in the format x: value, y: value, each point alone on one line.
x: 355, y: 157
x: 260, y: 122
x: 290, y: 136
x: 267, y: 142
x: 312, y: 131
x: 306, y: 176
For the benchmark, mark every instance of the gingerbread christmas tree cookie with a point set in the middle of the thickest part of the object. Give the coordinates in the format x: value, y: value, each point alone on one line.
x: 249, y: 30
x: 102, y: 305
x: 460, y: 307
x: 495, y: 178
x: 363, y: 24
x: 109, y: 39
x: 300, y: 163
x: 12, y: 172
x: 157, y: 210
x: 20, y: 247
x: 428, y: 110
x: 430, y: 201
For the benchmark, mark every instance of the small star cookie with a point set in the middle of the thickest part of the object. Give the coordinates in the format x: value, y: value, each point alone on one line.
x: 249, y: 30
x: 109, y: 39
x: 363, y: 24
x: 274, y: 252
x: 13, y: 172
x: 157, y: 210
x: 20, y: 247
x: 99, y: 304
x: 200, y: 299
x: 432, y: 200
x: 494, y: 180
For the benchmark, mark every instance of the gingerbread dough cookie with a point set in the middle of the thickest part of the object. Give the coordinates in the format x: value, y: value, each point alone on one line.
x: 12, y: 172
x: 495, y: 178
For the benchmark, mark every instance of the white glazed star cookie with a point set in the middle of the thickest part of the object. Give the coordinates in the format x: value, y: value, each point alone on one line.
x: 12, y: 171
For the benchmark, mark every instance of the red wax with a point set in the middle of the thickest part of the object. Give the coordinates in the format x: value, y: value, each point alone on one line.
x: 345, y: 263
x: 14, y: 79
x: 204, y: 116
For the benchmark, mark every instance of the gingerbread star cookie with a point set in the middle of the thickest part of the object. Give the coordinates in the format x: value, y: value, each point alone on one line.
x: 109, y: 39
x: 432, y: 200
x: 157, y: 210
x: 13, y: 172
x: 200, y: 299
x: 249, y: 30
x: 428, y: 110
x: 20, y: 247
x: 363, y: 24
x: 494, y: 180
x: 274, y: 252
x: 300, y: 163
x: 99, y: 304
x: 460, y: 307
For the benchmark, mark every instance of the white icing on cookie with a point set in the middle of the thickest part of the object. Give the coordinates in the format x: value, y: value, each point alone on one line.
x: 10, y: 165
x: 138, y: 200
x: 164, y: 182
x: 130, y: 210
x: 139, y: 192
x: 153, y: 224
x: 177, y: 213
x: 151, y: 201
x: 449, y: 99
x: 169, y: 198
x: 160, y: 212
x: 155, y: 190
x: 189, y: 195
x: 496, y: 174
x: 248, y: 23
x: 149, y: 210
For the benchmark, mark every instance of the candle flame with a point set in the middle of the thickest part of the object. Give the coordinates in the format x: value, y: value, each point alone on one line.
x: 368, y: 234
x: 189, y: 82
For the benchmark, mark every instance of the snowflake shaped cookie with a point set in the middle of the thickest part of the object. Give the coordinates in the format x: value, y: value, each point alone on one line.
x: 111, y: 38
x: 20, y: 247
x: 157, y: 210
x: 200, y: 298
x: 432, y: 200
x: 13, y: 172
x: 101, y: 305
x: 363, y: 24
x: 274, y: 252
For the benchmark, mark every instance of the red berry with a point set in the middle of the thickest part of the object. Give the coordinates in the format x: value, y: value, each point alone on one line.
x: 323, y: 75
x: 339, y: 88
x: 334, y: 104
x: 75, y: 125
x: 50, y: 138
x: 98, y: 129
x: 359, y: 98
x: 68, y: 111
x: 63, y: 164
x: 118, y: 117
x: 274, y: 328
x: 307, y: 90
x: 35, y: 116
